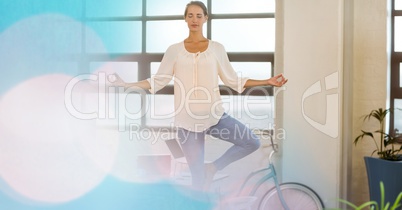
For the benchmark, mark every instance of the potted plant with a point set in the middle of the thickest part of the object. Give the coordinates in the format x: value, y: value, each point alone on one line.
x: 388, y: 167
x: 384, y: 142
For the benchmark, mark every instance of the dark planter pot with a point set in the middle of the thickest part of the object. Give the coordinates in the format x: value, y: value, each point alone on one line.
x: 390, y: 173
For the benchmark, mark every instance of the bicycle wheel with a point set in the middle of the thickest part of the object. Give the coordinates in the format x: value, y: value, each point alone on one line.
x: 297, y: 197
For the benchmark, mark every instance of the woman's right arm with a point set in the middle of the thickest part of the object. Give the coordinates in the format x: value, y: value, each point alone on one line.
x: 158, y: 81
x: 116, y: 80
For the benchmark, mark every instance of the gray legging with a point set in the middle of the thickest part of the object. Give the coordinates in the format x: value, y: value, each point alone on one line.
x: 228, y: 129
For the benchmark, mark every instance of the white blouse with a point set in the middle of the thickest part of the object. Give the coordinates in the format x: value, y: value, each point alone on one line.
x: 197, y: 99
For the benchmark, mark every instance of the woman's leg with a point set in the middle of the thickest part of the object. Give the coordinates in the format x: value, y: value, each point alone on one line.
x: 193, y: 145
x: 231, y: 130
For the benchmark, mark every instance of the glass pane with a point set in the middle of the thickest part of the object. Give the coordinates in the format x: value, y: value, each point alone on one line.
x: 398, y: 34
x: 117, y: 8
x: 173, y: 31
x: 256, y: 35
x: 128, y: 71
x: 117, y: 36
x: 68, y: 34
x: 398, y: 116
x: 252, y: 70
x: 154, y: 70
x: 398, y: 4
x: 400, y: 74
x: 241, y: 6
x: 171, y: 7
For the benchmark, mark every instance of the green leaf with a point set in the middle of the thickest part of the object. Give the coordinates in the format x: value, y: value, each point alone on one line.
x: 397, y: 202
x: 348, y: 203
x: 378, y: 114
x: 368, y: 203
x: 364, y: 133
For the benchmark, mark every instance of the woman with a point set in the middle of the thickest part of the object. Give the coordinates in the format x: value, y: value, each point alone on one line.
x: 196, y: 65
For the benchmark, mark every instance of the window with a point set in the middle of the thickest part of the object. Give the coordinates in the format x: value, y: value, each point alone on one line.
x: 129, y: 32
x: 398, y: 33
x: 398, y: 5
x: 117, y: 36
x: 111, y: 9
x: 227, y: 32
x: 396, y: 66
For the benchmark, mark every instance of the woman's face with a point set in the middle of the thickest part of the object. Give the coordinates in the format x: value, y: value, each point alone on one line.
x: 195, y: 18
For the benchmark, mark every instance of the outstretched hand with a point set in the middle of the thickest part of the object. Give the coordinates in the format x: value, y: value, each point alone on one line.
x: 277, y: 80
x: 115, y: 80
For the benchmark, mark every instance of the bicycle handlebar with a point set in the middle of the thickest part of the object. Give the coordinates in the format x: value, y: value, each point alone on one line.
x: 275, y: 148
x: 273, y: 145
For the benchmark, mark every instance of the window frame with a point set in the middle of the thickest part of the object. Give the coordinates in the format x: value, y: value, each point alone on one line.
x: 396, y: 59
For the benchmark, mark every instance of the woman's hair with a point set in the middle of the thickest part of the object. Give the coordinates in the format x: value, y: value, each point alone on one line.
x: 197, y: 3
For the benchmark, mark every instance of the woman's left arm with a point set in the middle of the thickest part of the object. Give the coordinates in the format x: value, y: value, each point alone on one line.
x: 276, y: 81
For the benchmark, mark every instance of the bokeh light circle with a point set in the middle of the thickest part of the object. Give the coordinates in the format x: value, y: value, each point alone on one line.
x: 46, y: 154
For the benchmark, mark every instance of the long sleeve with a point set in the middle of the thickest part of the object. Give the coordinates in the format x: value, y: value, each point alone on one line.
x: 165, y: 71
x: 226, y: 72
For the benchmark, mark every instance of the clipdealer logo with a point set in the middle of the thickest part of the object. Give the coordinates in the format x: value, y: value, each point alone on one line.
x: 93, y: 97
x: 331, y: 125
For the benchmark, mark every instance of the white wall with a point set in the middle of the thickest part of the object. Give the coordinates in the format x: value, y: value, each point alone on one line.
x: 312, y: 60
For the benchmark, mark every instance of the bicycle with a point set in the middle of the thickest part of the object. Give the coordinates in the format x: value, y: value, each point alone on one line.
x: 287, y: 196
